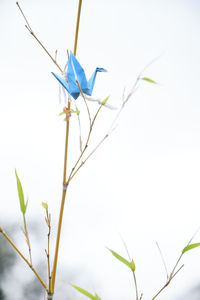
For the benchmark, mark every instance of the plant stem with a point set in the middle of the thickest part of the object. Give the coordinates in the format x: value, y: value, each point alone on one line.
x: 172, y: 275
x: 48, y: 222
x: 27, y: 239
x: 77, y: 27
x: 28, y: 27
x: 22, y: 256
x: 136, y: 288
x: 65, y: 184
x: 58, y: 241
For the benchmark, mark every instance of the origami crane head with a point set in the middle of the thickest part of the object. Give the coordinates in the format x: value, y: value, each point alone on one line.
x: 76, y: 73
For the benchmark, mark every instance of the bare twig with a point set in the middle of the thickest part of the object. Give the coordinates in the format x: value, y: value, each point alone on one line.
x: 56, y: 53
x: 48, y: 222
x: 80, y: 134
x: 74, y: 170
x: 22, y: 256
x: 174, y: 272
x: 168, y: 282
x: 28, y: 27
x: 27, y: 239
x: 162, y: 257
x: 89, y: 116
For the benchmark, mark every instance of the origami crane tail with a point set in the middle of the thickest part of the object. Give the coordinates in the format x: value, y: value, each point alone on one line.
x: 92, y: 79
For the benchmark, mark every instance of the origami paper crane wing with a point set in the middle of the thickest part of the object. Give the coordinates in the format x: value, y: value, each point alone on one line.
x: 75, y: 71
x: 92, y: 79
x: 72, y: 88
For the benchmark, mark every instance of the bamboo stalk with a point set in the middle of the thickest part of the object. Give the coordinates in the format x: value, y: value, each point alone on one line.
x: 65, y: 184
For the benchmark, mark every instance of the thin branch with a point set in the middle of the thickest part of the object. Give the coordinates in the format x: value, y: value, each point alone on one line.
x: 89, y: 116
x: 80, y: 134
x: 56, y: 53
x: 48, y: 222
x: 174, y: 272
x: 28, y: 27
x: 86, y: 145
x: 22, y: 256
x: 73, y: 172
x: 136, y: 288
x: 125, y: 246
x: 84, y: 161
x: 167, y: 283
x: 65, y: 67
x: 163, y: 260
x: 27, y: 239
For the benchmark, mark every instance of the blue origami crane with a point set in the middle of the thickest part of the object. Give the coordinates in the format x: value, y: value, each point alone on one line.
x: 76, y: 73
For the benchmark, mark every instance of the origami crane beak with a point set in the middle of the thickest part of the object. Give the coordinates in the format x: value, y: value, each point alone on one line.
x: 75, y: 73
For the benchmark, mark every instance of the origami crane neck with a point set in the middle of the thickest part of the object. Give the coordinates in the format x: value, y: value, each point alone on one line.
x: 75, y: 73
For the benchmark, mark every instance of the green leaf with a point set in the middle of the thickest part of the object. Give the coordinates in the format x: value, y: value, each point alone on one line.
x: 45, y: 205
x: 62, y: 113
x: 189, y: 247
x: 84, y: 292
x: 122, y: 259
x: 105, y: 100
x: 23, y: 206
x: 149, y: 80
x: 75, y: 111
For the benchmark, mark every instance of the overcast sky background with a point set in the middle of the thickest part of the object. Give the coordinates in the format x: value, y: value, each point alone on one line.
x: 143, y: 183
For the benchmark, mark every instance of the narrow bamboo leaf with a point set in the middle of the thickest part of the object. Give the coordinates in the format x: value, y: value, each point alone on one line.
x: 86, y: 293
x: 105, y: 100
x: 189, y: 247
x: 23, y: 206
x: 75, y: 111
x: 62, y: 113
x: 149, y: 80
x: 45, y: 205
x: 122, y: 259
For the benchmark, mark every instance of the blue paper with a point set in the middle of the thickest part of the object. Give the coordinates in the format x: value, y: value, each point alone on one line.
x: 76, y: 72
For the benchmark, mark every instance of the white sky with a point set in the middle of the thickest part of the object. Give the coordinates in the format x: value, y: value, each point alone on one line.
x: 143, y: 183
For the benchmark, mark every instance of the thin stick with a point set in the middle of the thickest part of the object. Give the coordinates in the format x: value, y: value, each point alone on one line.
x: 22, y: 256
x: 162, y: 257
x: 134, y: 88
x: 73, y: 172
x: 80, y: 134
x: 85, y: 102
x: 167, y: 283
x: 27, y: 239
x: 28, y: 27
x: 48, y: 222
x: 174, y: 272
x: 86, y: 144
x: 136, y: 288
